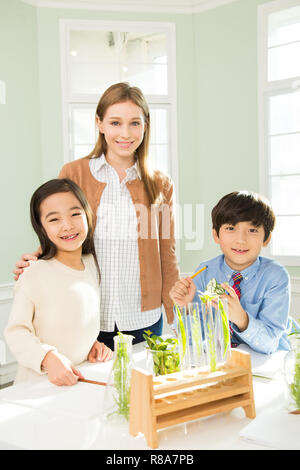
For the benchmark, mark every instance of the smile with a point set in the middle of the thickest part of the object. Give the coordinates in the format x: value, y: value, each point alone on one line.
x: 124, y: 144
x: 239, y: 252
x: 70, y: 237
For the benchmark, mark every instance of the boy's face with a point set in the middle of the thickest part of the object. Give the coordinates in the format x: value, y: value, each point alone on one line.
x: 240, y: 243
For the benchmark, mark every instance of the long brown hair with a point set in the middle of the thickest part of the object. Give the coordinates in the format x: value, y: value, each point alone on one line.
x: 54, y: 186
x: 120, y: 93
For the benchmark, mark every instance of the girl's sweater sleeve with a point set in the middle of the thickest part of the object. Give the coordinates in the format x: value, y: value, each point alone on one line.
x: 19, y: 333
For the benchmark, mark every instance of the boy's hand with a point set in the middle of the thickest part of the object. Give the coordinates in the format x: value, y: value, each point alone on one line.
x: 60, y: 369
x: 183, y: 291
x: 100, y: 353
x: 236, y: 313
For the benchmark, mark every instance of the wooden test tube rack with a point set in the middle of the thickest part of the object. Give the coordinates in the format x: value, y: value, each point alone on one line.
x: 166, y: 400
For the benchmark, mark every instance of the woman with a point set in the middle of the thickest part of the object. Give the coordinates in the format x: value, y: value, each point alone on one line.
x: 133, y: 218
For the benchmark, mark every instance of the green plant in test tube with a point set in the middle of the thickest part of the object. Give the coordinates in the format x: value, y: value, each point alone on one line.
x: 182, y: 329
x: 196, y: 330
x: 215, y: 289
x: 122, y: 378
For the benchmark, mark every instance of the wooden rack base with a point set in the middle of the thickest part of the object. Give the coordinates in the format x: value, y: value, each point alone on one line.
x: 166, y: 400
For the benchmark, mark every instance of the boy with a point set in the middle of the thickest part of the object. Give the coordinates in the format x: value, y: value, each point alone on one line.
x: 258, y: 293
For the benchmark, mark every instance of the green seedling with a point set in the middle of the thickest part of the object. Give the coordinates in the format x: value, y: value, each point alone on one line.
x: 166, y: 359
x: 182, y: 330
x: 121, y: 368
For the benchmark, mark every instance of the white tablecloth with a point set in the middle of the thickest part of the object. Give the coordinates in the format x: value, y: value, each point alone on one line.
x: 40, y: 415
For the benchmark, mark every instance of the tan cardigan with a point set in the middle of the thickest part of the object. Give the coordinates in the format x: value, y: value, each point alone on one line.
x: 158, y: 264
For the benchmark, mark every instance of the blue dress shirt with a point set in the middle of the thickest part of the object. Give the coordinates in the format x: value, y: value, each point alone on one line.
x: 265, y: 296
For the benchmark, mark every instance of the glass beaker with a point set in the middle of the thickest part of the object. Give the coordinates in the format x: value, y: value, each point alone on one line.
x: 163, y: 362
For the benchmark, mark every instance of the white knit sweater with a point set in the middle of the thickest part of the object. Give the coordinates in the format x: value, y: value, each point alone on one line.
x: 54, y: 308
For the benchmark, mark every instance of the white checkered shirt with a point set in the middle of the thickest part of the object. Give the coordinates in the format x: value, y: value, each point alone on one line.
x: 116, y: 248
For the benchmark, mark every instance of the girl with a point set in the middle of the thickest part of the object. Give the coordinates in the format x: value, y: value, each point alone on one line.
x: 133, y: 217
x: 54, y: 321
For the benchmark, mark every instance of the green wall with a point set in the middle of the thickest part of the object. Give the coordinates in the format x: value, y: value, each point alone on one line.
x: 20, y: 151
x: 216, y: 110
x: 225, y: 49
x: 226, y: 100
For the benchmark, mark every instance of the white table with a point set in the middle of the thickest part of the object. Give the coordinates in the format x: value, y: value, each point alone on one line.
x: 40, y: 415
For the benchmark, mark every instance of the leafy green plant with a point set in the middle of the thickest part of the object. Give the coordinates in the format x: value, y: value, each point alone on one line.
x: 121, y: 370
x: 165, y: 357
x: 225, y: 325
x: 295, y: 385
x: 214, y: 287
x: 182, y: 329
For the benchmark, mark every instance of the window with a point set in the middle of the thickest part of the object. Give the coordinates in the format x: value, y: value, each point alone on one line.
x: 96, y: 54
x: 279, y: 124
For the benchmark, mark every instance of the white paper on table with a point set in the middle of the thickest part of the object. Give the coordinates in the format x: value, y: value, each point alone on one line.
x: 275, y: 428
x: 266, y: 365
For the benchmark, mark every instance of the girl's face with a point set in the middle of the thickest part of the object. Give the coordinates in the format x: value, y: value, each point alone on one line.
x: 123, y: 127
x: 64, y: 221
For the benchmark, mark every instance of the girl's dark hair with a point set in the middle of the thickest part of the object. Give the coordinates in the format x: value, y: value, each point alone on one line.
x: 54, y: 186
x: 244, y: 206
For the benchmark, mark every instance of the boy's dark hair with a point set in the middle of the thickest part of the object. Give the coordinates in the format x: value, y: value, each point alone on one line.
x: 54, y: 186
x: 244, y: 206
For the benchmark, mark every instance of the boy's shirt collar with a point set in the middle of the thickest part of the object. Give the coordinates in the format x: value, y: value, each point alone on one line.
x: 247, y: 273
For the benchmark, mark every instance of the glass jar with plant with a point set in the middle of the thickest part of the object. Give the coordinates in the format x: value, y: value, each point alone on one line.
x: 162, y: 354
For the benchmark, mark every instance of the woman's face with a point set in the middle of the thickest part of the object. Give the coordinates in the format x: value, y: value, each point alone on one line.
x: 123, y: 127
x: 64, y: 221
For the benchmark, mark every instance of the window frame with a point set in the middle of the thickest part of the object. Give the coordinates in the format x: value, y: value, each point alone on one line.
x: 85, y: 100
x: 267, y: 89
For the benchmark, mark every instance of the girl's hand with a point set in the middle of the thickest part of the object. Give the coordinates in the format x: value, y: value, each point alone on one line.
x: 236, y: 313
x: 183, y: 291
x: 100, y: 353
x: 60, y: 369
x: 23, y: 263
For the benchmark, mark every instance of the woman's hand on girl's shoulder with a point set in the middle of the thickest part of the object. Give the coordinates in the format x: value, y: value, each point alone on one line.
x: 100, y: 353
x: 23, y: 263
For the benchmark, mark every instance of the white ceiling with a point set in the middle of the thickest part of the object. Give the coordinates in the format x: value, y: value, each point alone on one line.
x: 171, y: 6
